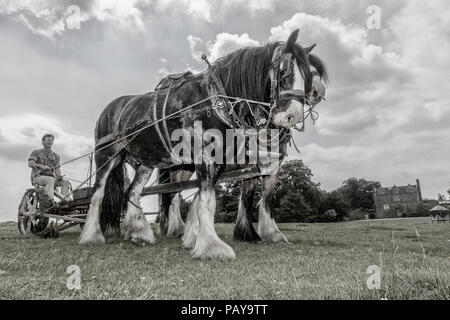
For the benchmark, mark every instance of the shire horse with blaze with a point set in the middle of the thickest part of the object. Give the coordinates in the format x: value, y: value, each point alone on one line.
x: 246, y: 74
x: 171, y: 223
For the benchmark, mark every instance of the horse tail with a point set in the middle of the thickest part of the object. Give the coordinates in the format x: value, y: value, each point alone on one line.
x: 114, y: 200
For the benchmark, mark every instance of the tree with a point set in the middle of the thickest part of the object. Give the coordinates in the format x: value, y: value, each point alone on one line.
x: 359, y: 193
x: 335, y: 200
x: 293, y: 208
x: 441, y: 197
x: 227, y: 201
x: 297, y: 196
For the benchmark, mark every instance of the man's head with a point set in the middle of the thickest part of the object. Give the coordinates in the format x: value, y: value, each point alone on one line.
x: 47, y: 140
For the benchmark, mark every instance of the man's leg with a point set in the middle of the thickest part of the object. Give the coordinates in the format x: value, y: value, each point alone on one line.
x: 48, y: 183
x: 65, y: 188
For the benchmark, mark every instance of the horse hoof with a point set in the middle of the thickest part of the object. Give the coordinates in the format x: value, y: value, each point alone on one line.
x: 95, y: 239
x: 275, y: 237
x: 138, y: 242
x: 189, y: 240
x: 176, y: 233
x: 188, y: 244
x: 141, y: 237
x: 215, y: 250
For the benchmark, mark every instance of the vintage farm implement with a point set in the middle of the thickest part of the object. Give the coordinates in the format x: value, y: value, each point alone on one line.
x: 36, y: 216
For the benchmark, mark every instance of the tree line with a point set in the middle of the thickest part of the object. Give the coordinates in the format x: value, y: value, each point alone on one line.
x: 298, y: 198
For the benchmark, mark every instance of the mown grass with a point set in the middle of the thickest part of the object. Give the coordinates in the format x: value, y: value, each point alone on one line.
x: 323, y: 261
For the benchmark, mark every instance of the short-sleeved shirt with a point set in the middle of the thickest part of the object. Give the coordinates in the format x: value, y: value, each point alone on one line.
x: 46, y: 158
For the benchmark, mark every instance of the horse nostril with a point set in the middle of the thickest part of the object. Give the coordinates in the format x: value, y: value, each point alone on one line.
x: 289, y: 118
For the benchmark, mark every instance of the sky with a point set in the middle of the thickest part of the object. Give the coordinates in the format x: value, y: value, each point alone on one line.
x: 386, y: 117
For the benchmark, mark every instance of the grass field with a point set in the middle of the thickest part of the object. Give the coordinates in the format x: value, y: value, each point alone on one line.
x: 323, y: 261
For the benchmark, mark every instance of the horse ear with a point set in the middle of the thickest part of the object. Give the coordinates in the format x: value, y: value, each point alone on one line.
x: 292, y: 39
x: 309, y: 49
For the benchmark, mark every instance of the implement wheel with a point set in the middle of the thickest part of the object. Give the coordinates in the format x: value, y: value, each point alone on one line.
x: 29, y: 219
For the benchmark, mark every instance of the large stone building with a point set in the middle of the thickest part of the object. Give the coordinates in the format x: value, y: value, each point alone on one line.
x: 397, y: 201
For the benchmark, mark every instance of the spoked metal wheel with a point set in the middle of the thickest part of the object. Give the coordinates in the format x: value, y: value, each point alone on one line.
x: 29, y: 219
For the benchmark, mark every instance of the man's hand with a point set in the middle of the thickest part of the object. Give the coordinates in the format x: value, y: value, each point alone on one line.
x: 44, y: 168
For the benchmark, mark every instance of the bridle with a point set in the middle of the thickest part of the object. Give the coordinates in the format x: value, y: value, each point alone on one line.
x: 282, y: 67
x: 262, y: 113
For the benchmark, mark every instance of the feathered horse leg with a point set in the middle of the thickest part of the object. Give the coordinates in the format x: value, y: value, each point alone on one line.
x: 176, y: 225
x: 92, y: 232
x: 171, y: 224
x: 243, y: 230
x: 136, y: 227
x: 208, y: 244
x: 192, y: 224
x: 267, y: 228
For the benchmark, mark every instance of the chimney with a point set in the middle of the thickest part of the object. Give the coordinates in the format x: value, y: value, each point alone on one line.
x: 419, y: 191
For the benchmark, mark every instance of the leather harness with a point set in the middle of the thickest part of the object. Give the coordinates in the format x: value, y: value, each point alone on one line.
x: 281, y: 68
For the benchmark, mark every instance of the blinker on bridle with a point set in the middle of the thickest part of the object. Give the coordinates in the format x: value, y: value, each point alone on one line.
x: 282, y: 67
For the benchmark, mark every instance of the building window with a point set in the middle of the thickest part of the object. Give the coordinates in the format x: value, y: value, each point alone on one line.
x: 397, y: 198
x: 385, y: 206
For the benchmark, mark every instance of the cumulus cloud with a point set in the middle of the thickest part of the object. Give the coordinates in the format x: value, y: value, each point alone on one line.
x: 197, y: 46
x: 222, y: 45
x: 253, y: 5
x: 195, y: 8
x: 51, y: 18
x: 22, y: 134
x: 387, y: 108
x: 362, y: 74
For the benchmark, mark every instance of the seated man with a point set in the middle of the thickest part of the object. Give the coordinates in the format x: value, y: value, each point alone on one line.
x: 46, y: 171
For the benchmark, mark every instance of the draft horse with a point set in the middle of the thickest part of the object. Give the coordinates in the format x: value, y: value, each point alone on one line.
x: 250, y: 73
x: 171, y: 223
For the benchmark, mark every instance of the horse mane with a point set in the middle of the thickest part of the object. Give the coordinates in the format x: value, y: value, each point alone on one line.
x: 239, y: 69
x: 320, y: 67
x: 245, y: 72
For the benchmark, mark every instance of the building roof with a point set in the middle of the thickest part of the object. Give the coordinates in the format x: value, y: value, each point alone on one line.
x: 438, y: 208
x: 397, y: 190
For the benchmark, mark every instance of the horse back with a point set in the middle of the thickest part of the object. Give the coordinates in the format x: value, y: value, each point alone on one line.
x: 111, y: 119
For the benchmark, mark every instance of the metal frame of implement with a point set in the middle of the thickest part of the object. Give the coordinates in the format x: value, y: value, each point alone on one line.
x: 31, y: 219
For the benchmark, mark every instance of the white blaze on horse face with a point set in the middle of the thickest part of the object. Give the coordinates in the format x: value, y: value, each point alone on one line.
x: 294, y: 113
x: 299, y: 82
x: 318, y: 91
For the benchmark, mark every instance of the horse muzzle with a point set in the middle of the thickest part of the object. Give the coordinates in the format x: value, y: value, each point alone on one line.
x: 290, y: 117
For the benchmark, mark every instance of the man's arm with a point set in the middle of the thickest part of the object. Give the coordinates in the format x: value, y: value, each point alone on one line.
x: 58, y: 173
x: 58, y: 168
x: 33, y: 164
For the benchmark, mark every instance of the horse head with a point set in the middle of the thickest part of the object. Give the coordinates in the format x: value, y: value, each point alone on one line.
x: 297, y: 78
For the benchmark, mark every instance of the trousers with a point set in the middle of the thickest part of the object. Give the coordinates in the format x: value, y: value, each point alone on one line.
x: 50, y: 183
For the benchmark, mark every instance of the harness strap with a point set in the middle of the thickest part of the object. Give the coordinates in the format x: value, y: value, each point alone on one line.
x: 168, y: 143
x: 113, y: 135
x: 224, y: 116
x: 155, y: 117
